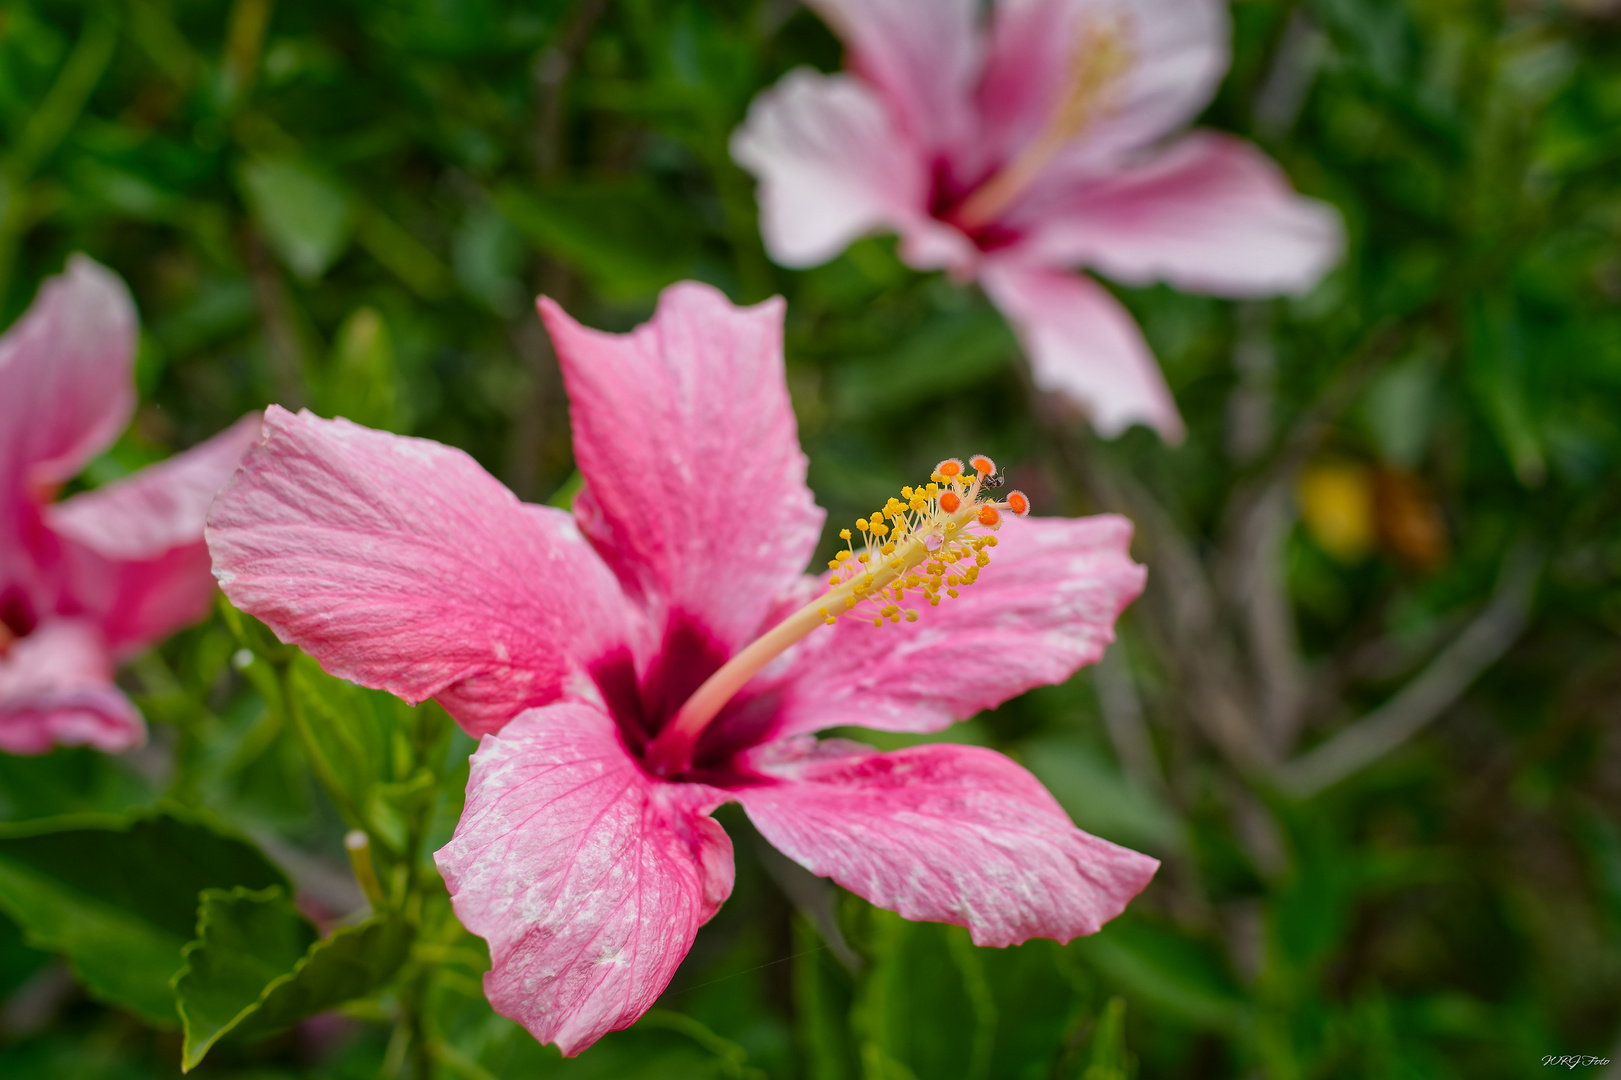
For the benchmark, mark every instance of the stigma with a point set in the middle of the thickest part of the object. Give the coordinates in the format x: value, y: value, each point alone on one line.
x: 927, y: 545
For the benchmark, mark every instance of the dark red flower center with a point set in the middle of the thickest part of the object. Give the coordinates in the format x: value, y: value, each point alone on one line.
x: 946, y: 197
x: 17, y: 618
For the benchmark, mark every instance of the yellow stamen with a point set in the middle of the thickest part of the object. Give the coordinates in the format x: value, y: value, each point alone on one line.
x: 931, y: 532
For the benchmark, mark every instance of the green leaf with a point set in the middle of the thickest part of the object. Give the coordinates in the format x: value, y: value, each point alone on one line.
x: 1174, y: 974
x: 378, y: 757
x: 359, y: 380
x: 1100, y: 800
x: 70, y: 780
x: 118, y: 895
x: 1109, y: 1059
x: 246, y: 940
x: 257, y: 966
x: 623, y: 236
x: 947, y: 354
x: 913, y: 1012
x: 1499, y: 375
x: 306, y: 214
x: 821, y: 1007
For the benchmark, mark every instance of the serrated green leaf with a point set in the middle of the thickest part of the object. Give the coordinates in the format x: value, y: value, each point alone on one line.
x: 258, y: 966
x: 117, y: 895
x: 246, y: 940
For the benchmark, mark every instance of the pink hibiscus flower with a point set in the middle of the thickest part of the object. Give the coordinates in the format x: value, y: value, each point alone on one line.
x: 99, y: 576
x: 1018, y: 151
x: 659, y: 652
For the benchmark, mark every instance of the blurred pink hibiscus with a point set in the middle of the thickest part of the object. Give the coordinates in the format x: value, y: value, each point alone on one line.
x: 103, y: 574
x: 1013, y: 152
x: 659, y: 651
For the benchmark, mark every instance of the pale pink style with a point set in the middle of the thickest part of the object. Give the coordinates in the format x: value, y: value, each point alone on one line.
x: 1015, y: 151
x: 569, y: 640
x: 96, y: 577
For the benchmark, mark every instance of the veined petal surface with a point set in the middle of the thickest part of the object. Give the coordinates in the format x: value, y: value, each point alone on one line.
x: 588, y: 878
x: 1045, y: 606
x: 694, y: 481
x: 945, y: 833
x: 400, y: 564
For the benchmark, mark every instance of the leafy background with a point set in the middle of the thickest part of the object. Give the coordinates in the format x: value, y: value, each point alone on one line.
x: 1366, y: 712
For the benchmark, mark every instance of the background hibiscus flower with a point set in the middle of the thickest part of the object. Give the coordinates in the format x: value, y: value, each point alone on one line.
x: 105, y: 573
x: 1013, y: 150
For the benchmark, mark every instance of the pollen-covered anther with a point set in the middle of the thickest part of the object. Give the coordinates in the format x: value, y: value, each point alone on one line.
x: 933, y: 541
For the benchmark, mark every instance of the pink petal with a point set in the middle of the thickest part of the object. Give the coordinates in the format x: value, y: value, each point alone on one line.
x: 1212, y: 214
x: 588, y: 878
x: 956, y: 834
x: 56, y: 689
x: 921, y: 55
x: 694, y: 482
x: 1178, y: 52
x: 65, y: 377
x: 1084, y: 345
x: 1044, y: 607
x: 400, y: 564
x: 134, y: 549
x: 831, y: 166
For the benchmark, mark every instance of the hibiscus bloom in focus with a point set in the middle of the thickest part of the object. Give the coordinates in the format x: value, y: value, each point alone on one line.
x: 1041, y: 142
x: 660, y: 651
x: 94, y: 578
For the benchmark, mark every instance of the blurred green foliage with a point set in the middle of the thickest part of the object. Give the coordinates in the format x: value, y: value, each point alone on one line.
x: 1394, y: 517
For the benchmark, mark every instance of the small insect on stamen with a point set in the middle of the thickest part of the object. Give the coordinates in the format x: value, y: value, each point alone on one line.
x: 1018, y: 502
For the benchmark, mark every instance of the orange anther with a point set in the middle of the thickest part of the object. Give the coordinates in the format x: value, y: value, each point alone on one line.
x: 1018, y: 502
x: 950, y: 468
x: 988, y: 516
x: 949, y: 501
x: 982, y: 464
